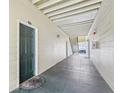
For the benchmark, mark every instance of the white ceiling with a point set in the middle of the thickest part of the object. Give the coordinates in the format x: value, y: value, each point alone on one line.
x: 74, y: 17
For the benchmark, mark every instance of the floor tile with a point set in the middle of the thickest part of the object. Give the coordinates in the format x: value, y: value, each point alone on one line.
x: 75, y: 74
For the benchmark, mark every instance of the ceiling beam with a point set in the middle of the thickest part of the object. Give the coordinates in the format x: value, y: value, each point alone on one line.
x: 63, y: 5
x: 62, y: 18
x: 82, y: 10
x: 77, y: 6
x: 81, y: 16
x: 35, y: 1
x: 48, y: 3
x: 82, y: 22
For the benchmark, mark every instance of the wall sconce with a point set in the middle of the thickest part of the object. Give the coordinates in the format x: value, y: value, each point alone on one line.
x: 94, y: 32
x: 58, y: 35
x: 29, y: 22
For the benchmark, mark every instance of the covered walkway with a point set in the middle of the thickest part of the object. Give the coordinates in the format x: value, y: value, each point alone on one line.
x: 74, y: 74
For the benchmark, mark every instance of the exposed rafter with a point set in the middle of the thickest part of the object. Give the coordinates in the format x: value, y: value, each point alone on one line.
x: 63, y: 5
x: 74, y: 16
x: 35, y: 1
x: 63, y: 18
x: 82, y: 22
x: 48, y: 3
x: 82, y: 10
x: 75, y: 7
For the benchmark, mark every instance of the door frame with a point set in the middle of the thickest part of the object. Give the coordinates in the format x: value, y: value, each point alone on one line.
x: 18, y: 51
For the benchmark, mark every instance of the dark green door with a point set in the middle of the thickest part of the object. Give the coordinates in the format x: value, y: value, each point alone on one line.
x: 27, y: 52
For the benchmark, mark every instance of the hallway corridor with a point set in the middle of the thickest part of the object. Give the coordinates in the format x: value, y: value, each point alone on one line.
x: 72, y: 75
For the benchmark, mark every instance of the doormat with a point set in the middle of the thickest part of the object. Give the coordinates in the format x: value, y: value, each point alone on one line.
x: 34, y: 82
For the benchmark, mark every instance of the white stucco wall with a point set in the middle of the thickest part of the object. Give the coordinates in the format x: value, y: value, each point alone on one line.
x: 51, y: 49
x: 103, y: 56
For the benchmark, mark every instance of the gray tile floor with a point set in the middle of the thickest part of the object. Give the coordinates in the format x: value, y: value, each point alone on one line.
x: 73, y: 75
